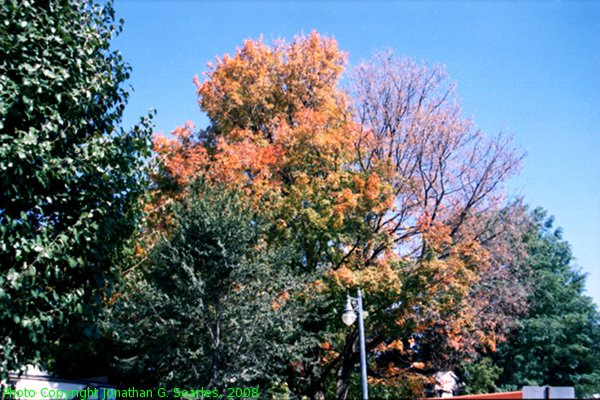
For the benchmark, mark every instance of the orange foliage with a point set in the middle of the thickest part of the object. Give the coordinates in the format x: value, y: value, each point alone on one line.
x: 398, y: 195
x: 280, y: 301
x: 180, y: 156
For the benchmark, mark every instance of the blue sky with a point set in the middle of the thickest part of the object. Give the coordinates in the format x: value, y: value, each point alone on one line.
x: 528, y: 68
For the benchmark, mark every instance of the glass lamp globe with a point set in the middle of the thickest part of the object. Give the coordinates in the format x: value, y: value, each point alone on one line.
x: 349, y: 316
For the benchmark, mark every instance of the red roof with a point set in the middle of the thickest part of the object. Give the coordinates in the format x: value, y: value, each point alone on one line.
x: 504, y: 395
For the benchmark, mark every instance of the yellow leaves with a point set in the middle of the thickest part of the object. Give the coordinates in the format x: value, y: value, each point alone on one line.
x: 418, y: 365
x: 314, y: 65
x: 372, y: 187
x: 284, y: 135
x: 346, y: 202
x: 316, y: 143
x: 394, y: 345
x: 489, y: 340
x: 261, y: 85
x: 347, y: 199
x: 377, y: 195
x: 318, y: 286
x: 282, y: 125
x: 380, y: 278
x: 371, y: 380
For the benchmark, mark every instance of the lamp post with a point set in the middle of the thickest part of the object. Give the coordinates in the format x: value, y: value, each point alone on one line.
x: 349, y: 316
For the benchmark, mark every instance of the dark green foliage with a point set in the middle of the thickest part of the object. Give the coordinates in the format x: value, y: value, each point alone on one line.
x: 213, y: 304
x: 481, y: 376
x: 70, y: 177
x: 557, y: 341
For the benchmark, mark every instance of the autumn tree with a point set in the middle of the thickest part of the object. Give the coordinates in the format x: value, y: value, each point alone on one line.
x: 387, y: 187
x: 70, y: 179
x: 447, y: 231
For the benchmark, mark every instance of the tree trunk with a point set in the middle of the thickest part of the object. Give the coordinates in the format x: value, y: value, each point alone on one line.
x: 346, y: 366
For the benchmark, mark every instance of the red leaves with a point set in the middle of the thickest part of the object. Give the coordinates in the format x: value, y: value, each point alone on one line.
x: 181, y: 157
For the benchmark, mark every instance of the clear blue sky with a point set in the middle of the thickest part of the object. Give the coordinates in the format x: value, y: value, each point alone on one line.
x: 530, y: 68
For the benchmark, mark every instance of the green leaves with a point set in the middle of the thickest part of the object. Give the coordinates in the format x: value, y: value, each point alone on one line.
x: 480, y: 377
x: 211, y: 305
x: 71, y: 177
x: 556, y: 342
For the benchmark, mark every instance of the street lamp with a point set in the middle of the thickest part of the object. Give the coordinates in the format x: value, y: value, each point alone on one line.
x: 349, y: 316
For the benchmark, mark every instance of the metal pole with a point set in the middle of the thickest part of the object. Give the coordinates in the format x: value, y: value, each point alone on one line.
x: 363, y: 352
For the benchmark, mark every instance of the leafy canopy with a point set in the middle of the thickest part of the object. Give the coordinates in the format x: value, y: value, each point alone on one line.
x: 386, y: 187
x: 211, y: 304
x: 70, y: 177
x: 557, y: 342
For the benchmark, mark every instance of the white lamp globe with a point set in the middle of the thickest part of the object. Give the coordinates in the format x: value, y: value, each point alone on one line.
x: 349, y: 316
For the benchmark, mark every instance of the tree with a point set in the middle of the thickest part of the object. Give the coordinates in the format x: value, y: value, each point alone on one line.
x: 387, y: 187
x: 557, y: 342
x: 282, y: 131
x: 448, y: 218
x: 480, y: 376
x: 210, y: 307
x: 71, y: 177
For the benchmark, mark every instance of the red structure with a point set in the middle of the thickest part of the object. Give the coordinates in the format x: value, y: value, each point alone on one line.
x: 504, y: 395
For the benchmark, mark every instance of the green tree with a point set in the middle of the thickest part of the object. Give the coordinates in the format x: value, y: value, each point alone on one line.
x: 481, y: 376
x: 70, y: 176
x: 557, y: 341
x: 212, y: 305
